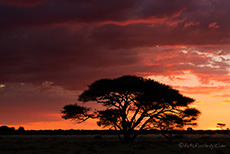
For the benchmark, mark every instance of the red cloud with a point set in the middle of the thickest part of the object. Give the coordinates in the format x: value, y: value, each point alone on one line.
x: 213, y: 25
x: 67, y: 41
x: 188, y: 24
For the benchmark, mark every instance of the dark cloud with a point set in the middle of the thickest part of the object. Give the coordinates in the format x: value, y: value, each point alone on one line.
x: 142, y: 35
x: 50, y: 50
x: 84, y: 11
x: 72, y: 43
x: 23, y: 3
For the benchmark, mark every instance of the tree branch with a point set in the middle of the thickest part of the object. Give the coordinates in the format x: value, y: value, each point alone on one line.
x: 135, y: 114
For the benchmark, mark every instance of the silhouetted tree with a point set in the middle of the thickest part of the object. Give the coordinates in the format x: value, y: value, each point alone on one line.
x: 21, y: 129
x: 221, y: 125
x: 190, y: 129
x: 5, y: 130
x: 132, y: 104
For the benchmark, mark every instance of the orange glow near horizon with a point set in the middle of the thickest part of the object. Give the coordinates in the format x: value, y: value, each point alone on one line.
x: 209, y: 99
x: 212, y: 100
x: 213, y: 107
x: 62, y: 124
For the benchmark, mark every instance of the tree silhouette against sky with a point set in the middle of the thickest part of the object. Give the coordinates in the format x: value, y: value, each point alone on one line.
x: 132, y: 104
x: 221, y: 125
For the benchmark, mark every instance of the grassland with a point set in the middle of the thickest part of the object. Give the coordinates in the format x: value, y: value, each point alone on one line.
x: 103, y: 144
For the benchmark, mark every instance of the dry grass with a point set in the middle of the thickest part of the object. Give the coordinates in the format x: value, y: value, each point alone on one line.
x: 94, y: 144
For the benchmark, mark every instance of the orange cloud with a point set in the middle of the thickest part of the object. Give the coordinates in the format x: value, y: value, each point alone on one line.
x: 201, y: 89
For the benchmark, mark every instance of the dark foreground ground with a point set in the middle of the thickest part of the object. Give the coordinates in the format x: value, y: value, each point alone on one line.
x: 103, y: 144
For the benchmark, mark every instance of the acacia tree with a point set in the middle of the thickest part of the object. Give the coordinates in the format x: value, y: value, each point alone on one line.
x: 132, y: 104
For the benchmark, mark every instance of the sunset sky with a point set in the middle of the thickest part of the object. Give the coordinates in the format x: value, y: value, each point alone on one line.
x: 50, y: 50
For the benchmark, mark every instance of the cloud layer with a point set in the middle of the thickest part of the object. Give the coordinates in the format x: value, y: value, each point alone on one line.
x: 73, y: 43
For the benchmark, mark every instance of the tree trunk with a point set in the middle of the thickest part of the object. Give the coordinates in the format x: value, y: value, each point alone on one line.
x: 127, y: 137
x: 135, y: 136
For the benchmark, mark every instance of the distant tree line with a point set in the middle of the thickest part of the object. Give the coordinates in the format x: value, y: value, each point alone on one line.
x: 5, y: 130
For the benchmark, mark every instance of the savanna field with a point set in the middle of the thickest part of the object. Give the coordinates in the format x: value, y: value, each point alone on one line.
x: 103, y: 144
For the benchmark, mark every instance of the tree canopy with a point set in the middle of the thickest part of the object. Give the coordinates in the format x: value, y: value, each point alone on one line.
x: 132, y: 104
